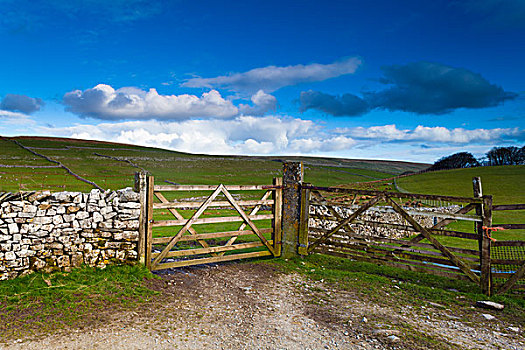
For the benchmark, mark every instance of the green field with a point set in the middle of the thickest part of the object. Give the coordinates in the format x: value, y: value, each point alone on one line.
x: 85, y: 158
x: 504, y: 183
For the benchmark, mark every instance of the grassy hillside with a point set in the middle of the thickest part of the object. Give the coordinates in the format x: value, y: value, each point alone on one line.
x: 22, y: 170
x: 504, y: 183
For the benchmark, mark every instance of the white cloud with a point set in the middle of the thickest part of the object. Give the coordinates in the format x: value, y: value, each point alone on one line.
x: 242, y: 135
x: 15, y: 118
x: 262, y: 103
x: 272, y: 78
x: 104, y: 102
x: 432, y: 134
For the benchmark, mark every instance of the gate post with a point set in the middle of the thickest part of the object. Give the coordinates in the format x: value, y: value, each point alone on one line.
x: 485, y: 211
x: 292, y: 180
x: 141, y: 188
x: 150, y: 182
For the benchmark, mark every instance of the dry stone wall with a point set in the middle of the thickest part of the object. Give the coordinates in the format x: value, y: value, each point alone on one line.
x: 59, y: 231
x: 368, y: 224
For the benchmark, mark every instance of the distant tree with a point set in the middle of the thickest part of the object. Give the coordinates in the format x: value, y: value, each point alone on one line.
x: 506, y: 156
x: 455, y: 161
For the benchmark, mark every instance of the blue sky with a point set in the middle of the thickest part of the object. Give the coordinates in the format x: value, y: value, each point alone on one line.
x: 403, y: 80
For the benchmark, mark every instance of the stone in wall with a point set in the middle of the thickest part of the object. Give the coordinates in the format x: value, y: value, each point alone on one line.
x: 59, y: 231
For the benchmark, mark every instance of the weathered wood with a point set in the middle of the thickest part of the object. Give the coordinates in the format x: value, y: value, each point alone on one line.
x: 512, y: 226
x: 377, y: 224
x: 188, y: 224
x: 343, y: 223
x: 446, y: 216
x: 277, y: 215
x: 512, y: 280
x: 456, y: 260
x: 212, y: 220
x: 177, y: 215
x: 332, y: 210
x: 218, y: 249
x: 444, y: 222
x: 486, y: 278
x: 191, y: 205
x: 372, y: 239
x: 243, y: 225
x: 149, y: 215
x: 248, y: 220
x: 160, y: 188
x: 213, y: 235
x: 509, y: 207
x: 508, y: 244
x: 395, y: 194
x: 303, y: 222
x: 212, y: 260
x: 142, y: 189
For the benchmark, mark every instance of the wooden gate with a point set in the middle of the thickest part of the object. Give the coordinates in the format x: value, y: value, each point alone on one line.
x: 231, y: 223
x: 336, y: 224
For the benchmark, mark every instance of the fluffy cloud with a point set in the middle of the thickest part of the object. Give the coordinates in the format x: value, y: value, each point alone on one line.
x: 438, y: 134
x: 242, y: 135
x: 104, y: 102
x: 272, y: 78
x: 262, y: 103
x: 422, y: 88
x: 21, y: 103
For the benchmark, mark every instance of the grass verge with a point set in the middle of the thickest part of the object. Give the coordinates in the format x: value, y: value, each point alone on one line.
x: 41, y: 303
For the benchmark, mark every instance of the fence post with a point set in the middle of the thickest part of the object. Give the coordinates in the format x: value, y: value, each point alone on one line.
x: 292, y: 180
x: 150, y: 181
x: 141, y: 188
x: 485, y: 211
x: 486, y: 271
x: 303, y: 223
x: 277, y: 215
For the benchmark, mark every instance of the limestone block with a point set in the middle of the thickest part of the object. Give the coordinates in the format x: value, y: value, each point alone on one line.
x: 4, y: 238
x: 42, y: 220
x: 130, y: 205
x: 82, y: 215
x: 40, y: 212
x: 23, y: 253
x: 9, y: 256
x: 68, y: 217
x: 130, y: 235
x: 13, y: 228
x: 51, y: 212
x: 72, y: 209
x: 61, y: 210
x: 109, y: 215
x: 17, y: 237
x: 57, y: 220
x: 97, y: 217
x: 44, y: 206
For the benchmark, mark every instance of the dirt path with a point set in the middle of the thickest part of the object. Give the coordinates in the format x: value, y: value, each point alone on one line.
x: 254, y: 306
